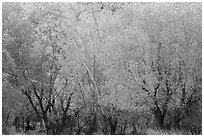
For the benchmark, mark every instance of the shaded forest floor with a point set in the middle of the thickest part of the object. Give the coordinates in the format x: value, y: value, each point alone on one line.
x: 12, y: 131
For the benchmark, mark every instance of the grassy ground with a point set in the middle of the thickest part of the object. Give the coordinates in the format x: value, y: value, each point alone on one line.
x: 166, y: 132
x: 12, y: 131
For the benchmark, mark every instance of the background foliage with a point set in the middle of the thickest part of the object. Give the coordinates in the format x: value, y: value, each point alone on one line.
x: 102, y: 68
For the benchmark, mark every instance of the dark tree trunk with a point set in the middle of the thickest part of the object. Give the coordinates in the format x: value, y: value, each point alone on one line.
x: 17, y: 123
x: 123, y: 128
x: 46, y: 122
x: 105, y: 125
x: 159, y: 118
x: 113, y: 125
x: 134, y: 131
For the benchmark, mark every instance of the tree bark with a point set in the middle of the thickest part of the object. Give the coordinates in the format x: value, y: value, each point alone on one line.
x: 113, y: 125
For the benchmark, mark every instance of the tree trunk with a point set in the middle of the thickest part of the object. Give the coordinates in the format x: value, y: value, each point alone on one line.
x: 159, y: 118
x: 104, y: 125
x: 123, y: 129
x: 113, y: 125
x: 47, y: 128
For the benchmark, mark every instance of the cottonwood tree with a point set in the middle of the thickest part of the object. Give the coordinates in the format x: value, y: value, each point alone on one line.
x: 83, y: 66
x: 14, y: 47
x: 165, y: 47
x: 89, y: 53
x: 33, y: 66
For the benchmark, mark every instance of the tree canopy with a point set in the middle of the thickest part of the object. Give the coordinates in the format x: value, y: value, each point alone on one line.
x: 102, y: 68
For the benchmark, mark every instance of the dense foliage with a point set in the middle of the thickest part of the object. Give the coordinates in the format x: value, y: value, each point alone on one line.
x: 102, y: 68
